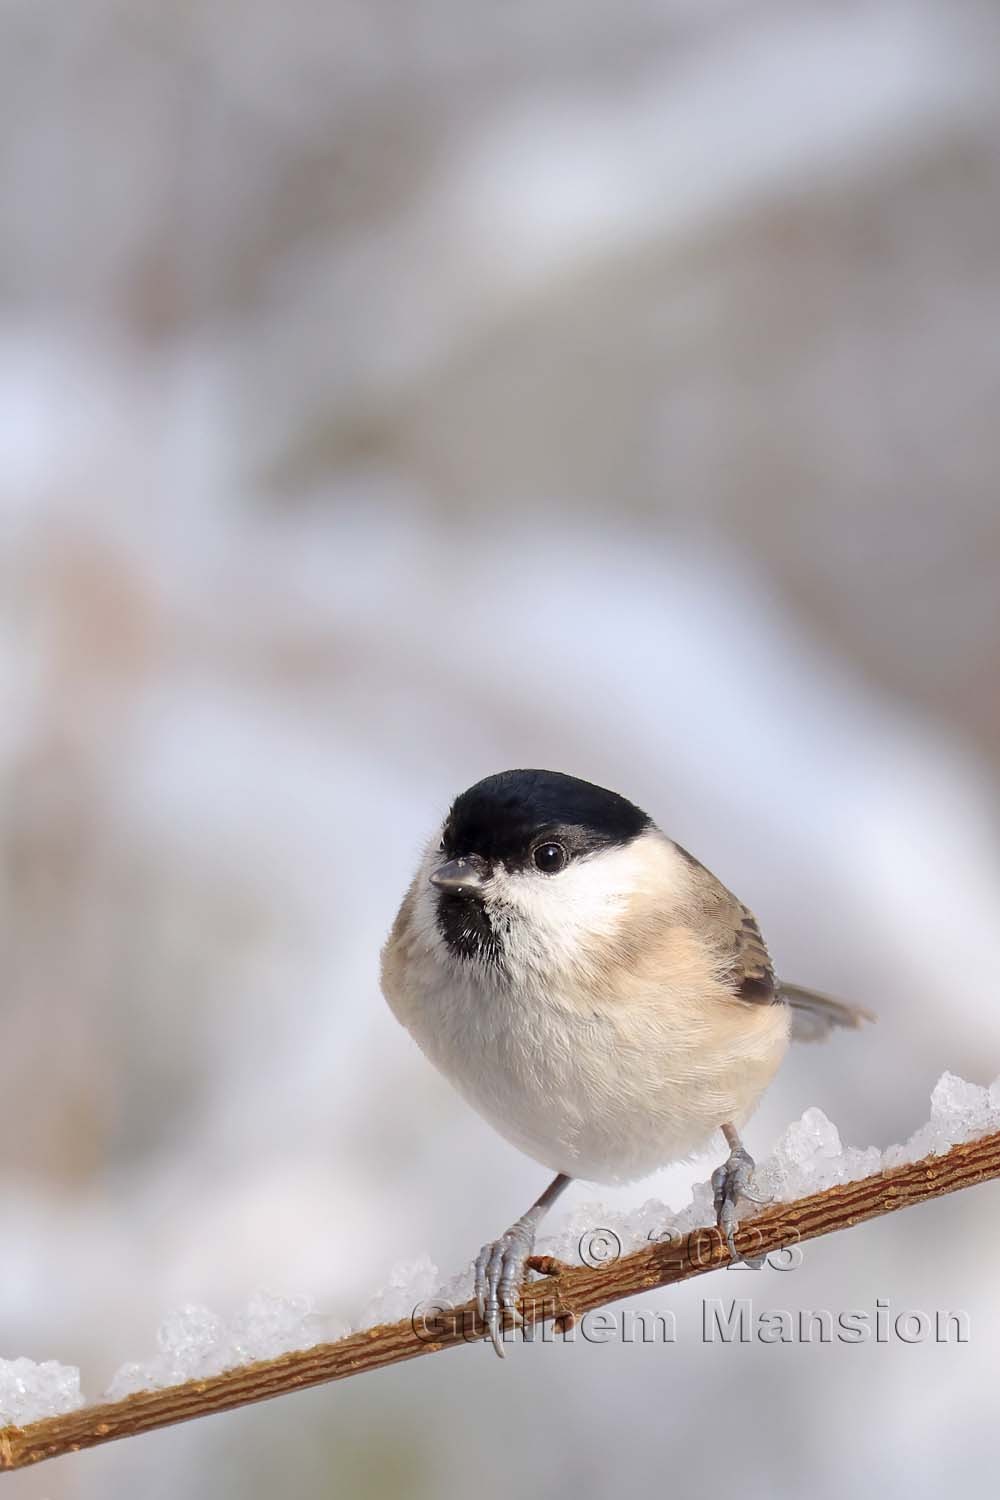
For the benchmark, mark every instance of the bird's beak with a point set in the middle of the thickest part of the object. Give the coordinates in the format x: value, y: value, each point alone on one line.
x: 465, y: 874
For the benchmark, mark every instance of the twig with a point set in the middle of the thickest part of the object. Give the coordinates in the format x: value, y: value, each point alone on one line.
x: 561, y: 1298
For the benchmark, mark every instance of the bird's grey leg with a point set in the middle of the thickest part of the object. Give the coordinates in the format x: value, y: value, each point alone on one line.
x: 731, y: 1182
x: 501, y: 1265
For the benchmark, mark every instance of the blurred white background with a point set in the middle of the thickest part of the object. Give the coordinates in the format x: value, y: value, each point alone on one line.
x: 389, y: 397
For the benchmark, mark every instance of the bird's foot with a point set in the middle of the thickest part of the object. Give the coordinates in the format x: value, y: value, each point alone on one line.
x: 500, y: 1270
x: 731, y: 1182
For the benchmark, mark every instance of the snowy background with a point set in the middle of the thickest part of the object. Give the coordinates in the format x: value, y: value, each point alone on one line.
x: 388, y: 397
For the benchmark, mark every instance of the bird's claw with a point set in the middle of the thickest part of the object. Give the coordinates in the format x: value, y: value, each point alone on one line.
x: 730, y: 1183
x: 500, y: 1269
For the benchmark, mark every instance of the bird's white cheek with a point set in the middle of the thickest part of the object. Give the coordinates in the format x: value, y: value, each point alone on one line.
x: 551, y: 922
x: 595, y: 894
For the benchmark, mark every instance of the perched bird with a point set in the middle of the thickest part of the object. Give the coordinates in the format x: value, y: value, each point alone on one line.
x: 593, y: 991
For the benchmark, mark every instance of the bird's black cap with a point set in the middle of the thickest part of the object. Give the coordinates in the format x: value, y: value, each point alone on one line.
x: 502, y: 817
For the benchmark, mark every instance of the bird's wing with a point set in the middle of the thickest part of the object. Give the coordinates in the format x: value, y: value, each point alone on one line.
x: 748, y: 965
x: 732, y: 930
x: 745, y: 964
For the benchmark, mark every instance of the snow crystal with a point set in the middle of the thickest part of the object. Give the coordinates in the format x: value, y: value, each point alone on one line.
x: 810, y: 1157
x: 195, y: 1343
x: 411, y: 1282
x: 29, y: 1392
x: 960, y: 1111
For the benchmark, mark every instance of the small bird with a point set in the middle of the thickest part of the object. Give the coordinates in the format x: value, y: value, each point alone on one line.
x: 593, y: 991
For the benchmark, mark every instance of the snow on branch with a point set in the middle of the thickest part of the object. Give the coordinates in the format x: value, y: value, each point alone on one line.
x: 564, y: 1294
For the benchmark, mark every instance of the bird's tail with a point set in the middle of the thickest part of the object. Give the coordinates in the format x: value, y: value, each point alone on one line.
x: 814, y: 1015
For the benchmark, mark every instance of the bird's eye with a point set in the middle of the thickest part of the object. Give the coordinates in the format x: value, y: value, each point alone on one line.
x: 550, y: 858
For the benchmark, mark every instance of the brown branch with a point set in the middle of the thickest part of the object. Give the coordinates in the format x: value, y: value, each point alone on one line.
x: 559, y: 1297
